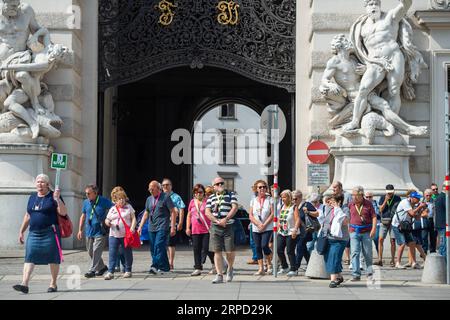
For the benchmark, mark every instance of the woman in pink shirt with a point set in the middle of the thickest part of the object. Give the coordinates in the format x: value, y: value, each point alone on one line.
x: 197, y: 227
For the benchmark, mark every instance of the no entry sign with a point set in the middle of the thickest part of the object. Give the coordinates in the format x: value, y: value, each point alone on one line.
x: 318, y: 152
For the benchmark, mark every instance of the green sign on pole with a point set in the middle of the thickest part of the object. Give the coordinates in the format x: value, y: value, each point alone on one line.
x: 59, y: 161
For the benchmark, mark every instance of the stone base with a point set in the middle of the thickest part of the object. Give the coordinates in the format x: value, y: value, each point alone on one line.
x: 374, y: 166
x: 316, y: 267
x: 19, y: 166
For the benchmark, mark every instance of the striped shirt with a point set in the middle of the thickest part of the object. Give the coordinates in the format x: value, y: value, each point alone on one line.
x: 220, y: 205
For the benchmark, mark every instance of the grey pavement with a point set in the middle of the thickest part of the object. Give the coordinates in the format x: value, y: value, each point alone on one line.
x: 179, y: 285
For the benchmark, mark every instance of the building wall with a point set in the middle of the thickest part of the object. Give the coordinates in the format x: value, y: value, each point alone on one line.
x: 247, y: 174
x: 318, y: 22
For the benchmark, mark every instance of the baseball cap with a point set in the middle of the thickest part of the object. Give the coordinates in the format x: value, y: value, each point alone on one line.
x: 390, y: 188
x: 415, y: 195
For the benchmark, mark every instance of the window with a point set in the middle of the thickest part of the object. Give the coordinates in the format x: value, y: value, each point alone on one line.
x: 229, y: 178
x: 229, y: 184
x: 228, y: 147
x: 228, y: 111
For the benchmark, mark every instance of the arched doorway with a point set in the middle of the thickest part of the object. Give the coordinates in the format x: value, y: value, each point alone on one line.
x: 150, y: 110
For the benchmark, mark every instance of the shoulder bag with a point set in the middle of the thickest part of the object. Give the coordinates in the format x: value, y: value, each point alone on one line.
x: 132, y: 239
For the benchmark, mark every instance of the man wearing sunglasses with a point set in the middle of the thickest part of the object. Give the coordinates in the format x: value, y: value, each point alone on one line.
x: 220, y: 209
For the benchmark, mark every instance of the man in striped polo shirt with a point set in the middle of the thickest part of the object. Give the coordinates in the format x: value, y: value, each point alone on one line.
x: 220, y: 209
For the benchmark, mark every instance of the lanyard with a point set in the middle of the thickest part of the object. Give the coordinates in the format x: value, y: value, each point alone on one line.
x: 390, y: 202
x: 154, y: 204
x: 220, y: 200
x: 360, y: 209
x: 261, y: 205
x: 93, y: 208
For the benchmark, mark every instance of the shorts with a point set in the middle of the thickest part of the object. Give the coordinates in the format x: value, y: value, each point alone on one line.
x: 221, y: 239
x: 417, y: 236
x: 402, y: 238
x: 384, y: 231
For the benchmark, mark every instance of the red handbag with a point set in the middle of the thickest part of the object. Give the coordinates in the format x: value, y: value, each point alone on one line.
x: 132, y: 239
x: 65, y: 226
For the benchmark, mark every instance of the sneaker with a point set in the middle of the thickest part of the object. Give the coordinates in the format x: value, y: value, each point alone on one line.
x: 230, y: 275
x: 101, y: 272
x: 109, y: 276
x: 218, y: 279
x: 392, y: 263
x: 283, y: 271
x: 351, y: 267
x: 90, y: 274
x: 269, y: 270
x: 127, y: 275
x: 399, y: 266
x: 334, y: 284
x: 161, y: 272
x: 416, y: 266
x: 292, y: 273
x: 408, y: 265
x: 196, y: 272
x: 355, y: 279
x: 153, y: 271
x: 339, y: 280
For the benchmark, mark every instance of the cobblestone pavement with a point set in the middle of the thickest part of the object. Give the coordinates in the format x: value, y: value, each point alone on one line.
x: 393, y: 284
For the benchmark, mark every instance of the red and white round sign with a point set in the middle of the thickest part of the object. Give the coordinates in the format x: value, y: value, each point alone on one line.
x: 318, y: 152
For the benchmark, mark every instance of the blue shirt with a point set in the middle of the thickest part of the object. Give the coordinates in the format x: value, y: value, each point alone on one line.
x: 43, y: 211
x: 93, y: 224
x: 159, y: 212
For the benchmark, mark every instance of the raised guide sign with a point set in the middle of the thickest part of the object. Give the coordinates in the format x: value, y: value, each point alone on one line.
x: 59, y: 161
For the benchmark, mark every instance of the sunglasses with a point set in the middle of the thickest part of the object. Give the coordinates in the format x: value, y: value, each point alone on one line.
x: 262, y: 187
x: 434, y: 189
x: 219, y: 184
x: 166, y: 185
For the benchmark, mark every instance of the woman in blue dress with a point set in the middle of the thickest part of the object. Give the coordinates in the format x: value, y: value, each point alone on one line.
x: 44, y: 238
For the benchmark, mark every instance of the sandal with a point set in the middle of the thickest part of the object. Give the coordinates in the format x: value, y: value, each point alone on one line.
x: 392, y: 263
x: 347, y: 262
x: 339, y: 280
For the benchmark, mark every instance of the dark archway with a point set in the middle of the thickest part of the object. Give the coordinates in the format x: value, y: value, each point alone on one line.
x: 152, y: 108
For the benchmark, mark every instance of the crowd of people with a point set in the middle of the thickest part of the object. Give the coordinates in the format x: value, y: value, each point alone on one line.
x: 342, y: 226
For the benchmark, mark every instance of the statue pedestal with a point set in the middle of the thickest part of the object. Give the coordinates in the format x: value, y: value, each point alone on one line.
x: 373, y: 166
x: 19, y: 166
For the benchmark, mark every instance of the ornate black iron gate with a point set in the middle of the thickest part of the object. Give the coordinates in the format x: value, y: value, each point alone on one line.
x: 255, y: 38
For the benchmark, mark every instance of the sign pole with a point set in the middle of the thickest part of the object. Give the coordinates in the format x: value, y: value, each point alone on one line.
x: 447, y: 178
x: 275, y: 160
x: 58, y: 178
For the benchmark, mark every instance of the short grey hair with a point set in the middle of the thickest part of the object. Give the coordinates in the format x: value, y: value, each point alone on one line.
x: 43, y: 177
x: 93, y: 187
x: 297, y: 193
x: 366, y: 2
x: 359, y: 190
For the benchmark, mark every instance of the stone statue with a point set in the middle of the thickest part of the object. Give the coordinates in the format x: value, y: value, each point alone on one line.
x: 26, y: 55
x: 383, y: 44
x: 340, y: 86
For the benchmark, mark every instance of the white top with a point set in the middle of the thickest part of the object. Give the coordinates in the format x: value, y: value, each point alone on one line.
x: 287, y: 221
x: 113, y: 215
x: 261, y: 213
x: 402, y: 212
x: 336, y: 225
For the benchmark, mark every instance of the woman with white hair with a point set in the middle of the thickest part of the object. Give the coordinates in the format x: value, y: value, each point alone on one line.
x: 44, y: 238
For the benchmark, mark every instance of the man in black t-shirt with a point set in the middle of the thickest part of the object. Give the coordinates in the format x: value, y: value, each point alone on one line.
x: 388, y: 204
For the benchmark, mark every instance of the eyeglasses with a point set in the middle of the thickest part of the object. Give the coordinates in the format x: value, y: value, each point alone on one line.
x: 219, y: 184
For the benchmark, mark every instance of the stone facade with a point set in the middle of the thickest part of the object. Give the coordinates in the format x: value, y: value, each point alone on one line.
x: 321, y: 21
x: 74, y: 23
